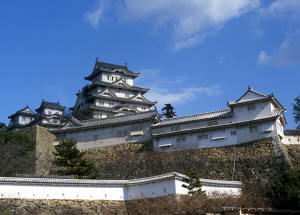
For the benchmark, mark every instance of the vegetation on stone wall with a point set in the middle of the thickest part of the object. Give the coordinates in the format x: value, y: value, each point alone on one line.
x: 71, y: 160
x: 16, y: 152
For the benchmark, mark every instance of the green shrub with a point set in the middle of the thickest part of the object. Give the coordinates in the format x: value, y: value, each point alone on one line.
x: 284, y: 190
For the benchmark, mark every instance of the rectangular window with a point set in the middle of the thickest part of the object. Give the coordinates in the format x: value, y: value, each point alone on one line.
x: 111, y: 104
x: 175, y: 128
x: 253, y: 129
x: 233, y: 133
x: 251, y: 107
x: 212, y: 122
x: 180, y: 139
x: 202, y: 137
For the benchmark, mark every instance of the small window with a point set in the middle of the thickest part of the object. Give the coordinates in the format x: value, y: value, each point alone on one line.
x: 251, y: 107
x: 126, y: 95
x: 49, y: 112
x: 253, y: 129
x: 183, y: 139
x: 212, y: 122
x: 95, y: 137
x: 202, y: 137
x: 178, y: 140
x: 175, y: 128
x: 111, y: 104
x: 233, y: 133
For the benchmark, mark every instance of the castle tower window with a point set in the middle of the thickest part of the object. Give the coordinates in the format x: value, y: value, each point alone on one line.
x: 251, y: 107
x: 49, y: 112
x: 253, y: 129
x: 233, y: 133
x: 212, y: 122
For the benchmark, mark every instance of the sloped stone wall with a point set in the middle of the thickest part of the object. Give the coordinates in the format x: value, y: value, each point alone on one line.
x: 253, y: 162
x: 293, y: 152
x: 61, y: 207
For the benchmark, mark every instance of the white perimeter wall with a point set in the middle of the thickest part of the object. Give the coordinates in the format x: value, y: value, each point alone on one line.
x: 104, y: 192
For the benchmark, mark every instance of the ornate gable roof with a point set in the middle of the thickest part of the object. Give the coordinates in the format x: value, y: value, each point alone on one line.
x: 108, y: 67
x: 139, y: 97
x: 251, y: 94
x: 106, y: 92
x: 24, y: 112
x: 53, y: 105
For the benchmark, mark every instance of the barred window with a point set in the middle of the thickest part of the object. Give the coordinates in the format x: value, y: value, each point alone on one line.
x: 212, y: 122
x: 175, y: 128
x: 202, y: 137
x: 253, y: 129
x: 251, y: 107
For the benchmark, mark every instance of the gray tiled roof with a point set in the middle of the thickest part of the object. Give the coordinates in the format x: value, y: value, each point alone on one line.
x: 116, y: 120
x: 128, y: 100
x: 108, y: 67
x: 196, y: 117
x: 274, y: 116
x: 23, y: 113
x: 53, y: 105
x: 111, y: 85
x: 90, y: 182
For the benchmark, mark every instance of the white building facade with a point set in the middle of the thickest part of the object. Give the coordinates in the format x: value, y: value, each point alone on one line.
x: 252, y: 117
x: 119, y: 190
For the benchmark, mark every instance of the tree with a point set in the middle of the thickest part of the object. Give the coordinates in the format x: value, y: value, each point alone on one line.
x: 168, y: 111
x: 16, y: 152
x: 72, y: 160
x: 3, y: 127
x: 284, y: 190
x: 296, y: 112
x: 194, y: 184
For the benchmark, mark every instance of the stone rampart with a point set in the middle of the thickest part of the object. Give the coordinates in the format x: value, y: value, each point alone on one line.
x: 248, y: 162
x: 61, y: 207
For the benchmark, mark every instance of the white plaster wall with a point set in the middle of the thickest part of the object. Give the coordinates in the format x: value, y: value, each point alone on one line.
x: 241, y: 113
x: 95, y: 138
x: 216, y: 138
x: 61, y: 192
x: 104, y: 192
x: 151, y: 190
x: 24, y: 120
x: 52, y: 111
x: 291, y: 139
x: 214, y: 190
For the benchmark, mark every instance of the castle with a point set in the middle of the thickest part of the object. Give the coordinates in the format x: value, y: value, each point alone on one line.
x: 112, y: 110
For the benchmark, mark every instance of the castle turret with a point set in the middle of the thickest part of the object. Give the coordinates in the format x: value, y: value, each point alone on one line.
x: 21, y: 118
x: 50, y: 114
x: 111, y: 93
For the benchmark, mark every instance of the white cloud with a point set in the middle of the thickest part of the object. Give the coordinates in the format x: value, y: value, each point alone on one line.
x: 287, y: 54
x: 181, y: 95
x: 283, y: 8
x: 188, y: 21
x: 191, y: 20
x: 172, y: 90
x: 93, y: 17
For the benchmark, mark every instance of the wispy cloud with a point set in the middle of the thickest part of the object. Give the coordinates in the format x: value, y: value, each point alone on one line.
x: 191, y: 20
x: 93, y: 17
x: 287, y: 54
x: 172, y: 90
x: 188, y: 22
x: 282, y: 8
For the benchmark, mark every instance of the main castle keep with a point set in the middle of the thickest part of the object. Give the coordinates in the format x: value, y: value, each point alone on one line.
x: 111, y: 110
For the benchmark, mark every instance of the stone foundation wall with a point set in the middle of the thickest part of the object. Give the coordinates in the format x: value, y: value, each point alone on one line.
x: 61, y: 207
x: 293, y: 152
x: 255, y: 161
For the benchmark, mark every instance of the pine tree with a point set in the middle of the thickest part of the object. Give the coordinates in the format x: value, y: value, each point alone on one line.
x: 72, y: 160
x: 168, y: 111
x: 296, y: 112
x: 194, y: 184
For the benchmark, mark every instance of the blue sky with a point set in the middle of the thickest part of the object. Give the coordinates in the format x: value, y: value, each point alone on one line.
x: 195, y: 54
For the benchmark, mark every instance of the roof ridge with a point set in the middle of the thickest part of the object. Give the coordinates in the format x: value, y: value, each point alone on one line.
x: 198, y: 114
